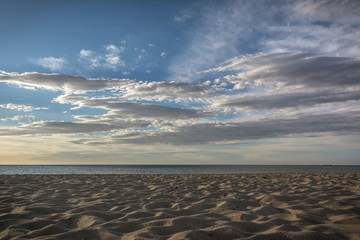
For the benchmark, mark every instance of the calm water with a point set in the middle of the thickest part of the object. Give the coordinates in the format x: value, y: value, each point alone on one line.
x: 172, y: 169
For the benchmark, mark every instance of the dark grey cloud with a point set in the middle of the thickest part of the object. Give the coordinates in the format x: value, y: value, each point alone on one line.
x: 140, y: 110
x: 296, y: 99
x: 205, y: 133
x: 302, y: 69
x: 318, y: 71
x: 56, y: 127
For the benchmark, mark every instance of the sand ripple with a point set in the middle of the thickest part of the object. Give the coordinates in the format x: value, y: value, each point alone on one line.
x: 247, y: 206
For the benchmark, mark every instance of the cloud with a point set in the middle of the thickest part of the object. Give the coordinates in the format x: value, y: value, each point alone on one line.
x: 139, y: 110
x: 205, y: 133
x: 60, y: 82
x: 324, y: 10
x: 18, y: 107
x: 302, y: 69
x: 294, y: 99
x: 123, y: 90
x: 184, y: 16
x: 18, y: 118
x: 52, y: 63
x: 256, y: 96
x: 170, y: 91
x: 231, y: 28
x: 109, y: 59
x: 341, y: 41
x: 326, y: 27
x: 128, y: 89
x: 56, y: 127
x: 112, y: 57
x: 213, y: 38
x: 133, y: 110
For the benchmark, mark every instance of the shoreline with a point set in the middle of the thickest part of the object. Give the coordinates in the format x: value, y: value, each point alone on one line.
x: 181, y: 206
x: 173, y: 169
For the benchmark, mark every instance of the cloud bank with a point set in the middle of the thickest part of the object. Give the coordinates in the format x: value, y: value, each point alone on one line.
x: 257, y: 96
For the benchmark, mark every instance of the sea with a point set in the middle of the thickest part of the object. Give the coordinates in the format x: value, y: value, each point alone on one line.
x: 174, y: 169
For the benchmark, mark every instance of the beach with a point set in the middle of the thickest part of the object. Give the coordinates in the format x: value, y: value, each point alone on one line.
x: 237, y: 206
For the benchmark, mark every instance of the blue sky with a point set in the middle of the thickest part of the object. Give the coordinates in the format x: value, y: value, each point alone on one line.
x: 179, y: 82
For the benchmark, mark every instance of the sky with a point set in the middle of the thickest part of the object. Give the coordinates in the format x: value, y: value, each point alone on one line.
x: 180, y: 82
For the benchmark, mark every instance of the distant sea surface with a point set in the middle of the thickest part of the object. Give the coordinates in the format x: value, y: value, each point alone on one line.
x: 173, y: 169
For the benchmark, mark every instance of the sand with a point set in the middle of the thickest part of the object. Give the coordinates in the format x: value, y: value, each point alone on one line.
x: 245, y: 206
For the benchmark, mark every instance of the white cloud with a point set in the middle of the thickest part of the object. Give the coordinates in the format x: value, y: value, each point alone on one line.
x: 52, y: 63
x: 163, y: 54
x: 85, y: 53
x: 19, y: 107
x: 110, y: 58
x: 61, y: 82
x: 167, y: 91
x: 18, y: 118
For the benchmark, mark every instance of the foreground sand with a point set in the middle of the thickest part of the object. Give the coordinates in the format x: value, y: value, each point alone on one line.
x: 248, y: 206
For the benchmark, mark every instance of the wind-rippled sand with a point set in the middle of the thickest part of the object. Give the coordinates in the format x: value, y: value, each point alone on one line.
x: 247, y: 206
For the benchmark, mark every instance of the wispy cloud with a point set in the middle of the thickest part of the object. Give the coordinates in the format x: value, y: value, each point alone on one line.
x: 323, y: 10
x: 328, y: 28
x: 221, y: 31
x: 184, y: 16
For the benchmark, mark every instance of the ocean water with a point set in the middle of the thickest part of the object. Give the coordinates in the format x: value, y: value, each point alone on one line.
x: 173, y: 169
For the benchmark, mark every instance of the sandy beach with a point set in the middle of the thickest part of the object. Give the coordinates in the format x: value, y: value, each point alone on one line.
x: 243, y: 206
